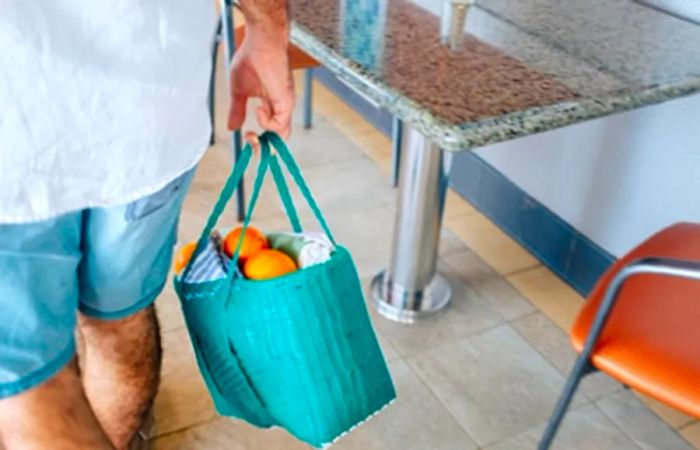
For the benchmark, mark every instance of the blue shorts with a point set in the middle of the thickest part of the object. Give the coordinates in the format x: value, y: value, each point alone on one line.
x: 106, y: 262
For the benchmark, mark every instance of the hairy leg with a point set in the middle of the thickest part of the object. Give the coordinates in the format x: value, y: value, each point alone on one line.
x: 121, y: 369
x: 55, y: 414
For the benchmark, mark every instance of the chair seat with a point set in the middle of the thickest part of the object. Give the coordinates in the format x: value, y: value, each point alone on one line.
x: 651, y: 341
x: 298, y: 59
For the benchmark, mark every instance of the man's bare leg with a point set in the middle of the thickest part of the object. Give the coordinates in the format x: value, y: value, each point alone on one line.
x: 53, y: 415
x: 121, y: 370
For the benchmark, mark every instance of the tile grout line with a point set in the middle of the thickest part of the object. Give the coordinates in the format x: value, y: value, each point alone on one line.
x: 182, y: 429
x: 440, y: 402
x: 686, y: 425
x: 629, y: 436
x: 522, y: 270
x: 544, y: 357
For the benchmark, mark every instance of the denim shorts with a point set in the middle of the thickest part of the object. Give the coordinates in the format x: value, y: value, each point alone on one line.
x: 107, y: 263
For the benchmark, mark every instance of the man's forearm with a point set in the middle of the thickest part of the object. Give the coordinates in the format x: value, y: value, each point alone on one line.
x: 267, y: 17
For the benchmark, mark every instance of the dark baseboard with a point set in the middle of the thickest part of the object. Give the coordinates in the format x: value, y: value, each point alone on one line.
x: 575, y: 258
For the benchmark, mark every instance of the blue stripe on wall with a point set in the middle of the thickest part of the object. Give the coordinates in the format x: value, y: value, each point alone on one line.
x: 571, y: 255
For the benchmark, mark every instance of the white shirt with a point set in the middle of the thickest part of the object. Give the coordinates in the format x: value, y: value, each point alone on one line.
x: 101, y: 102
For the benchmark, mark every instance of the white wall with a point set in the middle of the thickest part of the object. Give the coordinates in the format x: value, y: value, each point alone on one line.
x: 617, y: 179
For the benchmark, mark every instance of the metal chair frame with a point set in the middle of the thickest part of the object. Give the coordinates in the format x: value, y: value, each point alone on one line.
x: 584, y: 366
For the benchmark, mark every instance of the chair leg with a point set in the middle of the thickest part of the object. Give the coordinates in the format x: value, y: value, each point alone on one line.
x: 396, y: 137
x: 240, y: 192
x: 308, y: 96
x: 236, y: 140
x: 582, y: 368
x: 212, y: 82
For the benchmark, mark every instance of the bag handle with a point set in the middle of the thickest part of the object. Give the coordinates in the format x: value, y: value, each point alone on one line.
x: 286, y: 156
x: 254, y: 195
x: 283, y: 190
x: 267, y: 161
x: 229, y: 188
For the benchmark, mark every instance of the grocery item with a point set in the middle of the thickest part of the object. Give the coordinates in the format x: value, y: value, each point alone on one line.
x: 307, y: 248
x: 183, y: 256
x: 253, y: 241
x: 209, y: 265
x: 267, y: 264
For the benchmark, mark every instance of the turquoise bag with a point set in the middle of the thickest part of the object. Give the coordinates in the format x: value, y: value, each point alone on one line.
x: 296, y: 351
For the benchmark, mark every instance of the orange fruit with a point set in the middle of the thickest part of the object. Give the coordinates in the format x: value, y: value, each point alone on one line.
x: 253, y: 241
x: 183, y: 256
x: 268, y: 264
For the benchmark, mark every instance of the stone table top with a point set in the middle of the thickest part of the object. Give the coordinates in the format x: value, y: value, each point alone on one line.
x: 519, y: 66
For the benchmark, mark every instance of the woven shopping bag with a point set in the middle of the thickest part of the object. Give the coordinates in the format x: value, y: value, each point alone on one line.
x: 297, y: 351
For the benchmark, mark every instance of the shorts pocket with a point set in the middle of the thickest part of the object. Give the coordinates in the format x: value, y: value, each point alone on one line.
x: 145, y: 206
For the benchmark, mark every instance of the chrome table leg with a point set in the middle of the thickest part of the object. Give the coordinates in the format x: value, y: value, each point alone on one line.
x: 396, y: 136
x: 411, y: 288
x: 308, y: 97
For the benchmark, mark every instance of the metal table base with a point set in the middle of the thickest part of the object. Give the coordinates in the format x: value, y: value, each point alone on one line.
x: 411, y: 288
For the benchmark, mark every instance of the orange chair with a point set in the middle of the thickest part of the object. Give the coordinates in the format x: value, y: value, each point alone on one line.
x: 641, y: 325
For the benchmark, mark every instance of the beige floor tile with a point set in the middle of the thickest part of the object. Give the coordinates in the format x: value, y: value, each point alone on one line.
x: 182, y: 402
x: 368, y: 236
x: 493, y: 288
x: 553, y: 344
x: 644, y: 427
x: 494, y: 383
x: 348, y: 186
x: 390, y: 353
x: 450, y: 243
x: 168, y: 308
x: 377, y: 147
x: 467, y: 314
x: 692, y: 434
x: 490, y: 243
x: 673, y: 417
x: 322, y: 144
x: 549, y: 294
x: 415, y: 421
x: 178, y: 356
x: 584, y: 428
x: 456, y: 206
x: 227, y: 434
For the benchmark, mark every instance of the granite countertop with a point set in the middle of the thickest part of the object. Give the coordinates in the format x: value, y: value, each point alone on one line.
x: 520, y: 67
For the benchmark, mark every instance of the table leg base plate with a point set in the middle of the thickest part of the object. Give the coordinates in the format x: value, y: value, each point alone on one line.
x: 400, y: 305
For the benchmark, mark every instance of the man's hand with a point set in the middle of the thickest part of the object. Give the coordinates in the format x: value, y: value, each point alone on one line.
x: 261, y: 68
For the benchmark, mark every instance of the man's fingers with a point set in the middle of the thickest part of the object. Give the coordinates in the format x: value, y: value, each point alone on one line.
x: 277, y: 118
x: 252, y: 138
x: 263, y: 113
x: 236, y: 115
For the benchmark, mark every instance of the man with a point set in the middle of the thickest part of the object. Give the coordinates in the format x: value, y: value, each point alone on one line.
x: 102, y: 118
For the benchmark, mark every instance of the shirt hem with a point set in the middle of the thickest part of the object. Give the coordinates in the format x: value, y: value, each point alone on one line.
x: 117, y: 201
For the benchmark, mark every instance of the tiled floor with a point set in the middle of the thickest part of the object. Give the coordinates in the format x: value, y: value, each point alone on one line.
x: 484, y: 374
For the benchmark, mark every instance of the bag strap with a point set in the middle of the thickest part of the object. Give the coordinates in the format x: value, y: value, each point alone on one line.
x: 229, y: 188
x: 293, y: 168
x: 254, y: 195
x: 283, y: 190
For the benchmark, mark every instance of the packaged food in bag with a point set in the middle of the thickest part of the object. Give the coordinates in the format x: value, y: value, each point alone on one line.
x: 306, y: 248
